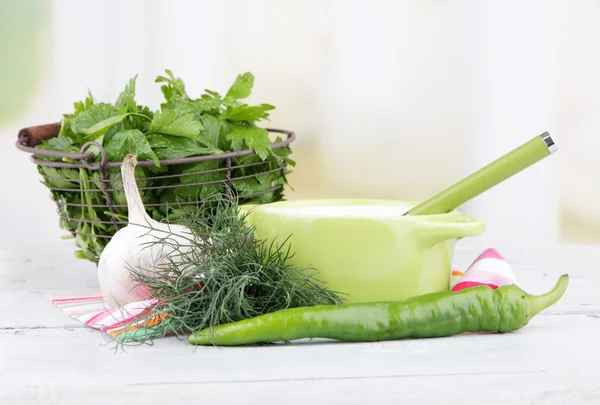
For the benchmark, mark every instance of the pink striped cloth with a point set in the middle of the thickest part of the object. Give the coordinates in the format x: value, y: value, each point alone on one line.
x: 118, y: 323
x: 489, y: 268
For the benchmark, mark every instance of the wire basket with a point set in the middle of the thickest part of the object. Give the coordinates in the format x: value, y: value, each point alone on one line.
x: 88, y: 181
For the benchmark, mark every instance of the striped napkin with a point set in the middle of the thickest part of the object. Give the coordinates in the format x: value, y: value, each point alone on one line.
x: 118, y: 323
x: 489, y: 268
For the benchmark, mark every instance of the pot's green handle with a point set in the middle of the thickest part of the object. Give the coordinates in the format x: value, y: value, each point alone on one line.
x: 438, y: 228
x: 496, y: 172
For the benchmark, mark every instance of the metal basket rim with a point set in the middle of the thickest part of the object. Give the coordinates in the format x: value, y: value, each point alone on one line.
x: 83, y: 156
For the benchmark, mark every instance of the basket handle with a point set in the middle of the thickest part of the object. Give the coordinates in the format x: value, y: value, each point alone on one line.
x: 32, y: 136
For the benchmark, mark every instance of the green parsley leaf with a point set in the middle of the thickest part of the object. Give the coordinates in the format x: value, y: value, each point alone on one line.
x: 245, y: 112
x: 283, y: 153
x: 216, y: 178
x: 80, y: 106
x: 191, y: 191
x: 241, y: 88
x: 255, y: 138
x: 198, y: 107
x: 176, y: 147
x: 59, y: 143
x: 213, y: 94
x: 180, y: 105
x: 104, y: 124
x: 60, y: 177
x: 207, y: 106
x: 256, y: 185
x: 66, y: 128
x: 170, y: 122
x: 142, y: 119
x: 68, y: 123
x: 174, y: 86
x: 130, y: 141
x: 212, y: 132
x: 127, y: 96
x: 94, y: 114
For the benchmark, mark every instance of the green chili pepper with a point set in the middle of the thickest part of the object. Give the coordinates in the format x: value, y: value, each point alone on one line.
x: 476, y: 309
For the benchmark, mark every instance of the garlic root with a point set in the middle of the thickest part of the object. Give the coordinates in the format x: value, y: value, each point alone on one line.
x: 143, y: 245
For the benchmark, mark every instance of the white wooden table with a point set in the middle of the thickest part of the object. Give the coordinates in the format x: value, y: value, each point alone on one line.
x: 47, y: 358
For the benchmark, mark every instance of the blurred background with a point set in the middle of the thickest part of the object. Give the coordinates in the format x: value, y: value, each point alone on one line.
x: 389, y: 99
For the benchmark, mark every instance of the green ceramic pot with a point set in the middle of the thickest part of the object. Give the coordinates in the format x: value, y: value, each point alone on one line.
x: 366, y: 249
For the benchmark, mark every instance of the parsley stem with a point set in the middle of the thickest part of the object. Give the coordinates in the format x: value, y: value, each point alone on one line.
x: 141, y: 115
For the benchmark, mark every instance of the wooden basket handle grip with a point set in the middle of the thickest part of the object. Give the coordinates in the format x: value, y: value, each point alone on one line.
x: 32, y: 136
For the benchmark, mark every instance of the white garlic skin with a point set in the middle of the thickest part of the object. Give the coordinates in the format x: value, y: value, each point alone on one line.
x: 136, y: 246
x: 131, y: 249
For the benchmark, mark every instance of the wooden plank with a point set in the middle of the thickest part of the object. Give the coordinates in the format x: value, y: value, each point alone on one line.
x: 546, y: 357
x: 28, y: 276
x: 549, y: 388
x: 45, y: 357
x: 56, y: 356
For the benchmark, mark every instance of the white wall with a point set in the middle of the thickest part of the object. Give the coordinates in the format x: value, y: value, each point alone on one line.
x: 513, y: 90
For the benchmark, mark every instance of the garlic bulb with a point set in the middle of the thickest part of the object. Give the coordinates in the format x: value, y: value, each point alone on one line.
x: 137, y: 246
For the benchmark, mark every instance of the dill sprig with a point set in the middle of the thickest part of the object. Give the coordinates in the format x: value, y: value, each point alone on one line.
x: 224, y: 274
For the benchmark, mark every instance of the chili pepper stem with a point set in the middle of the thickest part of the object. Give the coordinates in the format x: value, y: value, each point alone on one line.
x: 538, y: 303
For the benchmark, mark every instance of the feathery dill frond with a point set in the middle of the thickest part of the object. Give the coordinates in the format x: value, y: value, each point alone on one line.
x: 225, y: 275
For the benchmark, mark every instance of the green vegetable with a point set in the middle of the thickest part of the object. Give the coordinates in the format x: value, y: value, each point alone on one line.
x: 176, y: 123
x: 183, y: 127
x: 132, y: 140
x: 477, y: 309
x: 91, y: 122
x: 241, y: 137
x: 226, y: 276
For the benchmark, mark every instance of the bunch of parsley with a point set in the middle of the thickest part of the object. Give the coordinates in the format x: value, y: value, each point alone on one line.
x: 182, y: 127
